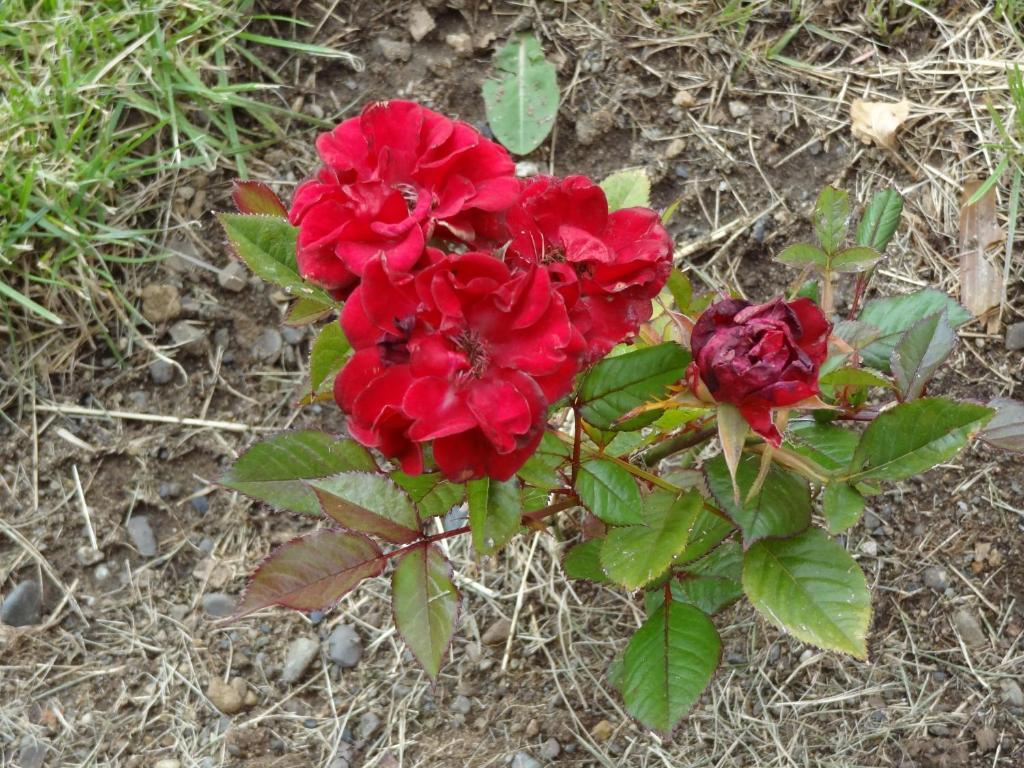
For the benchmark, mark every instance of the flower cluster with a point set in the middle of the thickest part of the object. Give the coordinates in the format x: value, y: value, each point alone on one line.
x: 472, y: 298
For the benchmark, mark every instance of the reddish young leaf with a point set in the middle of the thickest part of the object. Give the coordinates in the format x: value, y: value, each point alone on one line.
x: 426, y: 605
x: 369, y: 503
x: 256, y: 197
x: 313, y: 572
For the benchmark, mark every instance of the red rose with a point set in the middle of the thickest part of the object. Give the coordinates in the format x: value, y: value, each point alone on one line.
x: 467, y: 355
x: 760, y: 356
x: 392, y: 178
x: 608, y: 266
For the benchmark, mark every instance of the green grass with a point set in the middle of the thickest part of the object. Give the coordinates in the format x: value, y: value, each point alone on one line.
x: 101, y: 102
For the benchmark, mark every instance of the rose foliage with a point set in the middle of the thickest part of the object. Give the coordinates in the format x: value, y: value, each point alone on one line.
x: 525, y: 353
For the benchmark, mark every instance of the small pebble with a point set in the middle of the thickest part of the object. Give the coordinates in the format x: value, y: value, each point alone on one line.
x: 161, y: 372
x: 31, y: 754
x: 188, y: 336
x: 421, y: 23
x: 201, y: 504
x: 936, y: 578
x: 141, y: 534
x: 524, y: 760
x: 268, y: 345
x: 344, y: 647
x: 23, y: 605
x: 938, y: 729
x: 233, y: 277
x: 1012, y: 694
x: 300, y: 654
x: 292, y: 335
x: 339, y: 762
x: 218, y: 604
x: 987, y: 739
x: 460, y: 42
x: 497, y: 632
x: 1015, y: 337
x: 102, y: 572
x: 681, y: 172
x: 738, y: 109
x: 160, y: 302
x: 229, y: 698
x: 869, y: 547
x: 86, y: 555
x: 674, y: 148
x: 527, y: 168
x: 171, y: 490
x: 394, y: 50
x: 550, y: 749
x: 462, y: 705
x: 602, y: 731
x: 368, y: 725
x: 969, y: 628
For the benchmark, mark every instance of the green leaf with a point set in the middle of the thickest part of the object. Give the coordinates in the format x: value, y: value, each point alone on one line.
x: 812, y: 588
x: 312, y: 573
x: 627, y: 189
x: 274, y: 470
x: 681, y: 288
x: 637, y: 554
x: 781, y: 508
x: 305, y: 311
x: 894, y: 315
x: 920, y: 352
x: 803, y: 254
x: 254, y: 197
x: 433, y: 494
x: 707, y: 532
x: 522, y: 103
x: 810, y: 290
x: 842, y: 506
x: 583, y: 561
x: 267, y: 245
x: 914, y: 437
x: 495, y: 513
x: 327, y: 355
x: 880, y: 219
x: 826, y: 444
x: 369, y: 503
x: 610, y: 492
x: 668, y: 664
x: 854, y: 377
x: 856, y: 259
x: 426, y: 605
x: 541, y: 469
x: 617, y: 385
x: 831, y: 211
x: 732, y: 433
x: 713, y: 582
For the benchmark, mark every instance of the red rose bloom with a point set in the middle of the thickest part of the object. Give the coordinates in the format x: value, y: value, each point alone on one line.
x: 760, y: 356
x: 392, y: 178
x: 608, y: 266
x: 467, y: 355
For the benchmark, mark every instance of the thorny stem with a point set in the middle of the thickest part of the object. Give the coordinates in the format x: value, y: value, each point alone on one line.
x: 577, y: 443
x: 680, y: 442
x: 858, y: 292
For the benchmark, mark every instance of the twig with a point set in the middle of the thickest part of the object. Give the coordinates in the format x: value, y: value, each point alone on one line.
x: 96, y: 413
x: 84, y: 507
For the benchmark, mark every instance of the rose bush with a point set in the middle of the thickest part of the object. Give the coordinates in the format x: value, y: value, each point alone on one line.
x: 516, y: 350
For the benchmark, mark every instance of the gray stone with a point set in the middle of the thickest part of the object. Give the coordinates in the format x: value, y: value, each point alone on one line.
x: 368, y: 725
x: 218, y: 604
x: 141, y: 533
x: 268, y: 345
x: 171, y: 490
x: 394, y: 50
x: 524, y: 760
x: 190, y: 337
x: 936, y: 578
x: 86, y: 555
x: 739, y: 109
x: 421, y: 23
x: 338, y: 762
x: 31, y: 754
x: 200, y: 504
x: 300, y: 654
x: 497, y: 632
x: 550, y: 749
x: 138, y: 399
x: 344, y: 647
x: 968, y: 626
x: 23, y: 605
x: 869, y: 547
x: 233, y: 277
x: 1015, y: 337
x: 987, y: 739
x: 161, y: 372
x: 460, y: 42
x: 527, y: 168
x: 462, y: 705
x: 292, y: 335
x: 1012, y: 694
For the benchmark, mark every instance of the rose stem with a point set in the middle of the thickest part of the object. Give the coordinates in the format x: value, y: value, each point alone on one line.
x: 680, y: 442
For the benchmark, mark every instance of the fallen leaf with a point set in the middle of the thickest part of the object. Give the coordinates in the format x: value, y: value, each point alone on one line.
x: 981, y: 283
x: 876, y: 122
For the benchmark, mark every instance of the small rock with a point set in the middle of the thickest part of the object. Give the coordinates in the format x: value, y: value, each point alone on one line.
x: 461, y: 43
x: 268, y: 345
x: 160, y: 302
x: 675, y: 148
x: 23, y: 605
x: 550, y: 749
x: 738, y: 109
x: 1012, y: 694
x: 161, y: 372
x: 938, y: 729
x: 532, y: 729
x: 524, y: 760
x: 171, y: 490
x: 394, y: 50
x: 527, y: 168
x: 869, y: 547
x: 987, y: 739
x: 233, y: 277
x: 497, y: 632
x: 344, y: 647
x: 421, y: 23
x: 589, y: 128
x: 141, y: 533
x: 681, y: 172
x: 1015, y: 337
x: 300, y: 654
x: 462, y: 705
x: 936, y: 578
x: 191, y: 338
x: 218, y: 604
x: 368, y: 725
x: 602, y: 731
x: 292, y: 335
x: 138, y: 399
x: 967, y: 625
x: 338, y: 762
x: 86, y: 555
x: 871, y: 520
x: 201, y: 504
x: 229, y: 698
x: 684, y: 99
x: 31, y: 754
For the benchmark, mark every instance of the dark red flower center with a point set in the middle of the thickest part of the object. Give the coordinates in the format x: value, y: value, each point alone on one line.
x: 475, y: 349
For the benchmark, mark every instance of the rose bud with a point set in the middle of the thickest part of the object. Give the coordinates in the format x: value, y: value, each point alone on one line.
x: 759, y: 356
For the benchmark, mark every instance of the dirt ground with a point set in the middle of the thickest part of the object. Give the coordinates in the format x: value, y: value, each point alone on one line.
x: 119, y: 671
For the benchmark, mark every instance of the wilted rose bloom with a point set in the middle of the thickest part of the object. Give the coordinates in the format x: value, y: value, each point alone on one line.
x: 467, y: 356
x: 760, y: 356
x: 608, y: 266
x: 392, y: 178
